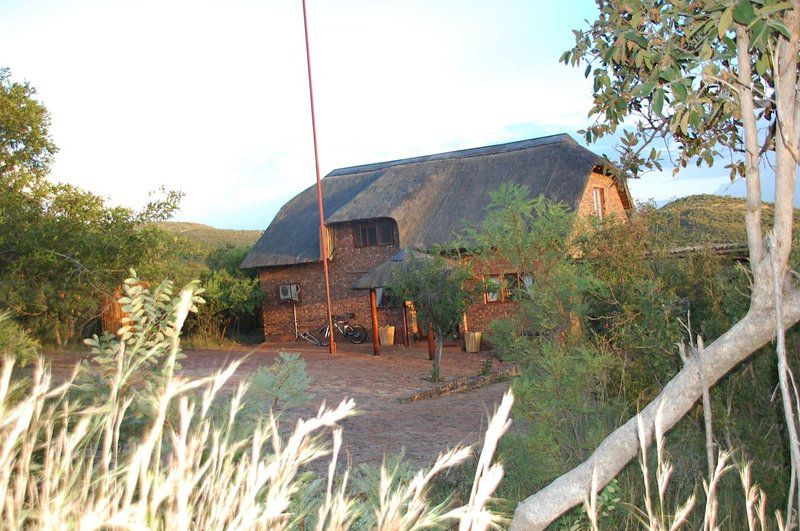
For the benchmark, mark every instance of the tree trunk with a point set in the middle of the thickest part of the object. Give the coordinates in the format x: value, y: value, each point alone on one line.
x: 437, y: 358
x: 57, y: 334
x: 225, y: 329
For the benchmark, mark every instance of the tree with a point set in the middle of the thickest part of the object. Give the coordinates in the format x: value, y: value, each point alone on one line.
x: 701, y: 76
x: 439, y: 291
x: 62, y: 248
x: 26, y: 149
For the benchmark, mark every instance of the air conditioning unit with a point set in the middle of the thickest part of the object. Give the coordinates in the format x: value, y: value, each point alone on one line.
x: 289, y: 293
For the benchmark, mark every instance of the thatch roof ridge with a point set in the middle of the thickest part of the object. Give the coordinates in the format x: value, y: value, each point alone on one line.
x: 492, y: 149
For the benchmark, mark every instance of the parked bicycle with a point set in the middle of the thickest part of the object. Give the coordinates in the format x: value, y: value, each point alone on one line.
x: 341, y: 323
x: 308, y: 336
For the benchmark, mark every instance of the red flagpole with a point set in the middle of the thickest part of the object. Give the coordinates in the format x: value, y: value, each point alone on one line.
x: 322, y: 232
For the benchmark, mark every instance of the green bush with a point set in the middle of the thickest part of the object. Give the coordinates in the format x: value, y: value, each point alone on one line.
x: 15, y: 342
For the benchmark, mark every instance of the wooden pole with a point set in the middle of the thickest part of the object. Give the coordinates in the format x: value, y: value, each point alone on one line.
x: 323, y: 233
x: 431, y: 346
x: 405, y: 325
x: 373, y: 305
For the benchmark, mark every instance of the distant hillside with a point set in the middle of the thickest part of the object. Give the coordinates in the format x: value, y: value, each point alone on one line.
x: 713, y: 218
x: 208, y: 238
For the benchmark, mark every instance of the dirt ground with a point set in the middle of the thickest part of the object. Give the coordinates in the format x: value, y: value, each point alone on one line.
x: 376, y: 383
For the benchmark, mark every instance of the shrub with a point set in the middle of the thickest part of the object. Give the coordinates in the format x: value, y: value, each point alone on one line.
x: 15, y: 342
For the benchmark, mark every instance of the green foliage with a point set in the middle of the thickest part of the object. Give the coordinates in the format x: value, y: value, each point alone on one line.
x: 210, y: 239
x: 367, y: 480
x: 26, y: 149
x: 15, y: 343
x: 232, y: 296
x: 522, y: 231
x: 132, y: 366
x: 486, y: 367
x: 608, y: 506
x: 564, y: 407
x: 283, y: 385
x: 269, y: 391
x: 670, y: 68
x: 201, y: 248
x: 596, y: 335
x: 710, y: 218
x: 229, y: 259
x: 440, y: 293
x: 62, y: 249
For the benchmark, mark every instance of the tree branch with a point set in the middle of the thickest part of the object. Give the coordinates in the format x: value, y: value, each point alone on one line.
x: 785, y: 69
x: 752, y: 216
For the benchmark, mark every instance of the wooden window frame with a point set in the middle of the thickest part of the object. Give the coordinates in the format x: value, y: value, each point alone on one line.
x: 504, y: 294
x: 358, y: 226
x: 487, y: 292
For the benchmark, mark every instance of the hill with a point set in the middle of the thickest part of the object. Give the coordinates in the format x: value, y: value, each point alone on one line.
x: 712, y: 218
x: 208, y: 238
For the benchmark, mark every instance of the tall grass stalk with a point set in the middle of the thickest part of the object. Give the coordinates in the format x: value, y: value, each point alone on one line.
x: 64, y: 463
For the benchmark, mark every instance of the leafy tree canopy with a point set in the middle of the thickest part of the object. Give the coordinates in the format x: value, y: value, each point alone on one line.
x: 670, y: 69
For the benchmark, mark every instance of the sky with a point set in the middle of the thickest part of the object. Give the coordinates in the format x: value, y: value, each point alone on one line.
x: 211, y: 97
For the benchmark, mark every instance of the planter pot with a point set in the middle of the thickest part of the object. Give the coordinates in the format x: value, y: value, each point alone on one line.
x: 472, y: 341
x: 386, y: 335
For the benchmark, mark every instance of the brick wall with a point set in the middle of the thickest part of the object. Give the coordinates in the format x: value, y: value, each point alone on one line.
x: 347, y: 265
x: 611, y: 193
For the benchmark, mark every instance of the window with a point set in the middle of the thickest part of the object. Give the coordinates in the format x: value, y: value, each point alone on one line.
x: 492, y: 293
x: 527, y: 281
x: 385, y: 300
x: 373, y: 233
x: 599, y: 199
x: 509, y: 287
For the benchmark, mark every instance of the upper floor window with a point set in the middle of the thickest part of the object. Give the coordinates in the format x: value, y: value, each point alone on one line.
x: 372, y: 233
x: 599, y: 199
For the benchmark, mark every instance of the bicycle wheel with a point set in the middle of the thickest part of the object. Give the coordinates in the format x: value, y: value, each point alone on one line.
x: 324, y: 336
x: 357, y: 334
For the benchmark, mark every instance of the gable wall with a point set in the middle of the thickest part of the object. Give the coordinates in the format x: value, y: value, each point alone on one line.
x: 614, y: 205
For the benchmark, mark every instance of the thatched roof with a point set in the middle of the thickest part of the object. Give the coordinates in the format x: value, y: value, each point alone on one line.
x: 383, y: 274
x: 431, y: 198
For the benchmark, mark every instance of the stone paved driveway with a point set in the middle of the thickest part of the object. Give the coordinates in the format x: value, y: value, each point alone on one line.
x: 384, y: 426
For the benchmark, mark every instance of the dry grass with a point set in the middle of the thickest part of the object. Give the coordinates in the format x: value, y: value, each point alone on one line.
x: 63, y: 463
x: 660, y: 512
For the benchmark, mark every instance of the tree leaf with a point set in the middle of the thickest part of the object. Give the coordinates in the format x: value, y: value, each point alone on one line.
x: 780, y: 28
x: 743, y: 12
x: 658, y: 101
x: 679, y: 90
x: 644, y: 89
x: 725, y: 21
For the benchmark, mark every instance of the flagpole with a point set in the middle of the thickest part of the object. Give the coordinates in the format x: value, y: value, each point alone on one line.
x: 323, y: 239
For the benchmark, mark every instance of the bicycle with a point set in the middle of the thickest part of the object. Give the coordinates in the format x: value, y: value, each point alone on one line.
x: 308, y: 336
x: 341, y: 323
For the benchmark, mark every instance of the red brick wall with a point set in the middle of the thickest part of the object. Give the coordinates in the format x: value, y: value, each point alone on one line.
x: 346, y: 266
x: 611, y: 193
x: 480, y: 314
